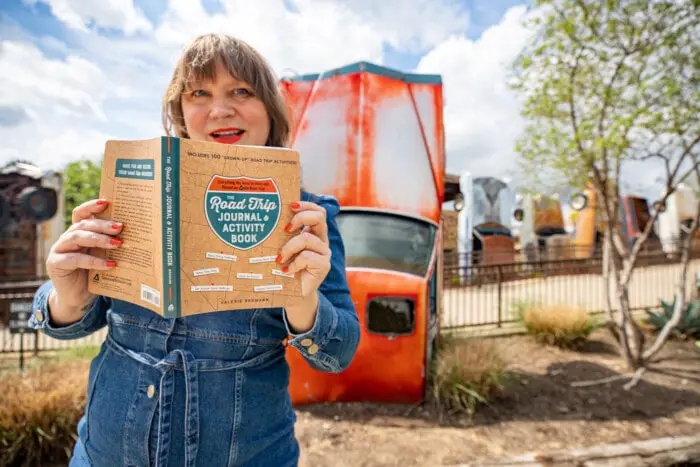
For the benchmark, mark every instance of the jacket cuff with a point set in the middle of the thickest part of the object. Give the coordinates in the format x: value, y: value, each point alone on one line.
x: 40, y: 318
x: 312, y: 343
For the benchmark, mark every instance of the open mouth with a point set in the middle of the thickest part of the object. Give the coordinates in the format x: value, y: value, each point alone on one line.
x: 227, y: 135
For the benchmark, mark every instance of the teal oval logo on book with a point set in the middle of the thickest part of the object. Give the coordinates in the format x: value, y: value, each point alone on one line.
x: 242, y: 211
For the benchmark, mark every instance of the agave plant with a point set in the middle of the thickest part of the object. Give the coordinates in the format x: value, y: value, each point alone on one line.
x: 688, y: 326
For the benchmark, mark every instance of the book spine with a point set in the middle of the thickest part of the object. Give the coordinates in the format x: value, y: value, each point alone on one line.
x: 170, y: 151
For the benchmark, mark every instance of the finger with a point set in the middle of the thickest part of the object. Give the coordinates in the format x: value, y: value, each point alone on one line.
x: 309, y: 260
x: 87, y: 209
x: 298, y: 206
x: 98, y: 226
x: 73, y: 261
x: 316, y: 220
x: 301, y: 242
x: 76, y: 239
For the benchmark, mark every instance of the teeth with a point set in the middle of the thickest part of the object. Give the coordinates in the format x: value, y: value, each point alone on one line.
x: 228, y: 133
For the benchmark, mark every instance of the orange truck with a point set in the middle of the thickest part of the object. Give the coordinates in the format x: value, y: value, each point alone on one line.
x: 373, y: 137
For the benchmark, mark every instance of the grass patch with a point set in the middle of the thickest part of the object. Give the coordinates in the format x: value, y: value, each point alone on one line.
x: 466, y: 374
x: 40, y: 411
x: 564, y: 326
x: 79, y: 352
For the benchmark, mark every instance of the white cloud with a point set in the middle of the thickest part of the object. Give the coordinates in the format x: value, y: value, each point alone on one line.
x: 56, y: 110
x: 76, y: 86
x: 112, y: 87
x: 112, y: 14
x: 413, y: 26
x: 481, y: 115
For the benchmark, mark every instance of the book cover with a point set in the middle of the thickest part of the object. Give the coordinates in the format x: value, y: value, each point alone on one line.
x: 203, y: 224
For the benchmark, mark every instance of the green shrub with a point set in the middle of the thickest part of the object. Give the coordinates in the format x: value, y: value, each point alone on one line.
x: 688, y: 326
x: 563, y: 326
x: 40, y: 411
x: 466, y: 374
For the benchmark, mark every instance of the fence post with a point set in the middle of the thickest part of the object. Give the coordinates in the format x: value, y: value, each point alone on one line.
x: 21, y: 351
x: 499, y: 276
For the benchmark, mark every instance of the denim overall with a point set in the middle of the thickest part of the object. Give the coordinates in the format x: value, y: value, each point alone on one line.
x: 204, y: 390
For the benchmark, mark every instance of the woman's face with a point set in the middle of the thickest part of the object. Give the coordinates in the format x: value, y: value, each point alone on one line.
x: 225, y: 110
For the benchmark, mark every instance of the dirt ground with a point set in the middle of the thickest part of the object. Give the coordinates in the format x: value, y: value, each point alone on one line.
x: 539, y: 411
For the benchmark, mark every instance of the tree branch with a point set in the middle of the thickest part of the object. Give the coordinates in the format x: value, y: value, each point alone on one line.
x: 671, y: 185
x: 572, y: 111
x: 635, y: 379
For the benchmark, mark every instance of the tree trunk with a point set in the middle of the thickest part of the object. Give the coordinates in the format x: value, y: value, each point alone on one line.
x: 610, y: 324
x: 679, y: 305
x: 633, y: 332
x: 612, y: 285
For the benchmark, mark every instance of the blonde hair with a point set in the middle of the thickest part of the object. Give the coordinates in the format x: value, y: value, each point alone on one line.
x: 198, y: 62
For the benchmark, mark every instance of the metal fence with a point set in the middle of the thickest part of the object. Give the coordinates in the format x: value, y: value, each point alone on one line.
x: 38, y: 341
x: 475, y: 294
x: 488, y: 294
x: 552, y: 254
x: 22, y: 290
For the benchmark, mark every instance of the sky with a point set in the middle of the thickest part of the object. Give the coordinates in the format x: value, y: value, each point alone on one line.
x: 75, y: 73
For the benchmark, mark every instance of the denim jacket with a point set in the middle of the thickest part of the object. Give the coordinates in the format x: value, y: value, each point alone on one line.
x: 202, y: 390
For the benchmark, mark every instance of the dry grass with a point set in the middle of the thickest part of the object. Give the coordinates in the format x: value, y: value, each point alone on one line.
x: 467, y: 373
x: 40, y: 411
x: 564, y: 326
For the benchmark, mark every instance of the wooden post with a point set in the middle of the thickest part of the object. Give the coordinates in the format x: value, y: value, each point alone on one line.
x: 659, y: 452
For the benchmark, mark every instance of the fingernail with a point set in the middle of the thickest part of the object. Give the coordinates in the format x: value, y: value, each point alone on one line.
x: 278, y: 260
x: 285, y: 269
x: 116, y: 241
x: 110, y: 263
x: 117, y: 225
x: 288, y: 227
x: 295, y: 205
x: 100, y: 202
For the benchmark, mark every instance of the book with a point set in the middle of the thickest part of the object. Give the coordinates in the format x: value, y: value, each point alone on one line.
x: 203, y: 225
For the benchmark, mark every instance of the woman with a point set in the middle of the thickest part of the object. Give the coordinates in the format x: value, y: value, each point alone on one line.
x: 210, y: 389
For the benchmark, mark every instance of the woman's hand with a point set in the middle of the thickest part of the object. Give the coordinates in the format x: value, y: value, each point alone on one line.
x: 309, y: 255
x: 68, y: 261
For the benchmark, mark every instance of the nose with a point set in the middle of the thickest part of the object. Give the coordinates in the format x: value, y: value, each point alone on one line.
x: 222, y: 108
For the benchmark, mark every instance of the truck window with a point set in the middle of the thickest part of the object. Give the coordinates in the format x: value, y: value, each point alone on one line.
x: 386, y: 241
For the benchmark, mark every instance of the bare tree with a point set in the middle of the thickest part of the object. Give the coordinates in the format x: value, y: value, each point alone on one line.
x: 605, y: 84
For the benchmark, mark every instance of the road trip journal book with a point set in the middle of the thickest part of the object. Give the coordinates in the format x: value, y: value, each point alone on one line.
x: 203, y: 224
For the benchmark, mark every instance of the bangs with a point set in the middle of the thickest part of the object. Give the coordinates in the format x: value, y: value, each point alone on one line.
x: 199, y: 63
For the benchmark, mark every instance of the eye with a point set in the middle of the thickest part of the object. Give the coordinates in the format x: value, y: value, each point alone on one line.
x: 197, y: 93
x: 242, y: 92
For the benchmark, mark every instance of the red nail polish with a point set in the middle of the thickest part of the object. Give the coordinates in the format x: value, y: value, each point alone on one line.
x: 288, y: 227
x: 116, y: 241
x: 278, y: 260
x: 117, y: 225
x: 295, y: 205
x: 110, y: 263
x: 100, y: 202
x: 285, y: 269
